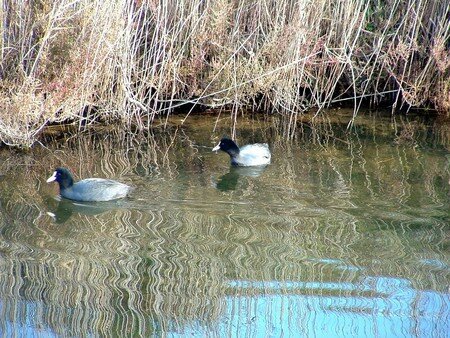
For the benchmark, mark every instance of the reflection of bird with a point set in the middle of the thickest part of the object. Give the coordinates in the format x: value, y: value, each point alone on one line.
x: 257, y: 154
x: 64, y: 209
x: 90, y: 189
x: 229, y: 180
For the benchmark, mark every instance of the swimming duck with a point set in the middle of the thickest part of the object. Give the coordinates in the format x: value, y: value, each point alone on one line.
x: 257, y: 154
x: 88, y: 190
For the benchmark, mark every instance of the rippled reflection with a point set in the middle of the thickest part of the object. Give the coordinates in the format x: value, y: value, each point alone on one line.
x: 61, y: 209
x: 229, y: 181
x: 344, y: 234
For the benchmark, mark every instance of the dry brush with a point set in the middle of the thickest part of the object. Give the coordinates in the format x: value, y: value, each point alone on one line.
x: 130, y: 61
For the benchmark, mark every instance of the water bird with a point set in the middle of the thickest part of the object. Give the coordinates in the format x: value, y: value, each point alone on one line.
x: 257, y: 154
x: 89, y: 189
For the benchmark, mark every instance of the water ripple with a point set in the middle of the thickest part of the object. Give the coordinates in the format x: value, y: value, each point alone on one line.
x: 340, y: 238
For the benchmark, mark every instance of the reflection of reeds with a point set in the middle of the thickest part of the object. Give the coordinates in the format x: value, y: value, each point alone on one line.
x: 333, y: 207
x: 131, y: 61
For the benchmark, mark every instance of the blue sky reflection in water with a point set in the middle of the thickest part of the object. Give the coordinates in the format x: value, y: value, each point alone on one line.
x: 342, y: 236
x: 399, y: 312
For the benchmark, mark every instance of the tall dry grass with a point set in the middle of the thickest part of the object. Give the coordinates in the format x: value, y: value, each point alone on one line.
x: 133, y: 61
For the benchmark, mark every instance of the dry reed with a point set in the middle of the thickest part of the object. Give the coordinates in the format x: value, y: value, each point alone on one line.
x: 131, y: 61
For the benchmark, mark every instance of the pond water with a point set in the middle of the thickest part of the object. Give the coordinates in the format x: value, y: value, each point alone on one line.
x: 345, y: 234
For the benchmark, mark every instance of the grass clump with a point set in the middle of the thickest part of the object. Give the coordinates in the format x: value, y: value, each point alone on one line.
x: 135, y: 60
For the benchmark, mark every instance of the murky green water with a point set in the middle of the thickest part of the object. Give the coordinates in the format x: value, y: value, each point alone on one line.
x: 344, y: 234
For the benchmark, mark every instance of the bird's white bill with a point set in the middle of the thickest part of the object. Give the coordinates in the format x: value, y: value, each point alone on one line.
x: 217, y: 147
x: 52, y: 178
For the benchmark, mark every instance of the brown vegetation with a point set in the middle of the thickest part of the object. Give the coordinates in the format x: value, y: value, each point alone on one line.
x: 80, y: 60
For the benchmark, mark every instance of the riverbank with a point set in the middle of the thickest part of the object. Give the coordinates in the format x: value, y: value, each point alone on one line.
x: 130, y: 63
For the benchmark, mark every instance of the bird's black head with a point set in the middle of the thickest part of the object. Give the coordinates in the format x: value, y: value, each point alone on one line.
x: 63, y: 177
x: 227, y: 145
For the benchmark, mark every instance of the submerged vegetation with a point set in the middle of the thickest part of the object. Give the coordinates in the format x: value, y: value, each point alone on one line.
x: 130, y: 61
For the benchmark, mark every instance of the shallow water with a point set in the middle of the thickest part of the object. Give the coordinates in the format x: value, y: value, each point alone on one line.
x: 344, y: 234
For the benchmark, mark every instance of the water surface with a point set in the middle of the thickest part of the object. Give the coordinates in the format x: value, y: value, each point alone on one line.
x: 344, y: 234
